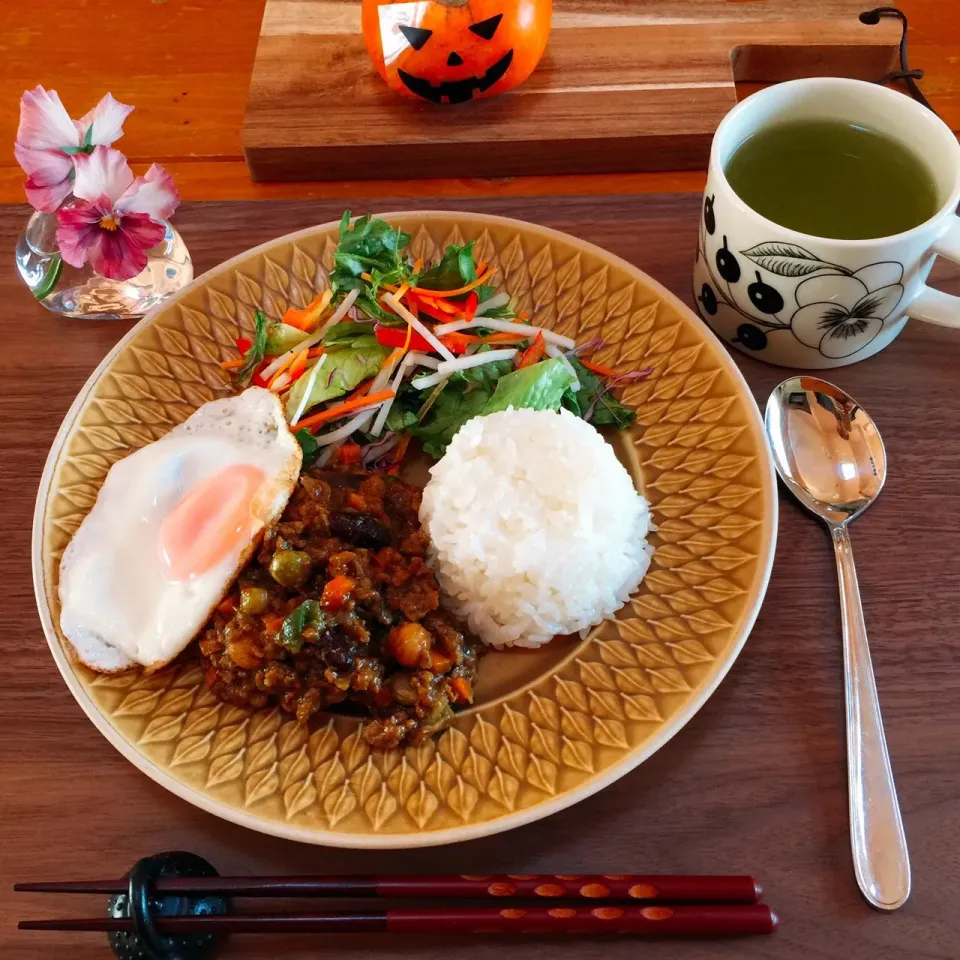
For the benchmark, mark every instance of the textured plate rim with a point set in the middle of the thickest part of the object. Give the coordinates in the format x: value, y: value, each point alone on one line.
x: 452, y: 834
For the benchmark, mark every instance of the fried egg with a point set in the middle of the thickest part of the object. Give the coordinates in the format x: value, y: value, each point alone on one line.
x: 172, y: 526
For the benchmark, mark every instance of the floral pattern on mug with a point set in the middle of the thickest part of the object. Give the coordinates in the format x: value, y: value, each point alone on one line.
x: 839, y: 315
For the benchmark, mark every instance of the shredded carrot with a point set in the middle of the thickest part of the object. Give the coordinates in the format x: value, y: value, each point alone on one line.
x: 342, y: 409
x: 362, y: 390
x: 306, y: 319
x: 534, y: 353
x: 281, y: 369
x: 233, y: 364
x: 418, y: 265
x: 398, y: 292
x: 394, y: 357
x: 273, y: 624
x: 600, y: 369
x: 523, y: 315
x: 442, y: 294
x: 366, y: 276
x: 299, y: 364
x: 481, y: 268
x: 315, y: 352
x: 461, y: 687
x: 447, y: 308
x: 349, y: 453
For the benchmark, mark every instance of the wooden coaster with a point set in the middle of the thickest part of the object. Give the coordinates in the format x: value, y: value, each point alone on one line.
x: 624, y: 86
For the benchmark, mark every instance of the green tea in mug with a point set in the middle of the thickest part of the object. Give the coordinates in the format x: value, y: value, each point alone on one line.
x: 833, y: 179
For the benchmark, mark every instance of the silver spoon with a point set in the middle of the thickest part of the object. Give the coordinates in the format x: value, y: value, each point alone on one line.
x: 829, y: 454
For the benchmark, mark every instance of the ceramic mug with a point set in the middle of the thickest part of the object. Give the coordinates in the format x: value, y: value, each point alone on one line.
x: 836, y: 301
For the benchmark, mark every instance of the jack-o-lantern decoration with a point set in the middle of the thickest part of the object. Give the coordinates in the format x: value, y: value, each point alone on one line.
x: 452, y: 51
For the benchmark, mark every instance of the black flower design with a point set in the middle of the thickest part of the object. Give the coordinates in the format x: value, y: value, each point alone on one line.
x: 840, y: 315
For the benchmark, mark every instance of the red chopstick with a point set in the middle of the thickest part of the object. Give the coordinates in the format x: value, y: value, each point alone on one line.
x: 690, y: 920
x: 646, y: 889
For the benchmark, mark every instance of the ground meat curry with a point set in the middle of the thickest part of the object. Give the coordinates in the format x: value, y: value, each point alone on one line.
x: 340, y: 607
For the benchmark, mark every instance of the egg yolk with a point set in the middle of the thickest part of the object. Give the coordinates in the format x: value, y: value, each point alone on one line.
x: 211, y: 522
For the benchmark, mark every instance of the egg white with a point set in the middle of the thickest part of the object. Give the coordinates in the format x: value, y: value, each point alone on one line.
x: 117, y: 607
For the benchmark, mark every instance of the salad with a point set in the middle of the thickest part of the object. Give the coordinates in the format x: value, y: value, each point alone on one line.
x: 397, y: 348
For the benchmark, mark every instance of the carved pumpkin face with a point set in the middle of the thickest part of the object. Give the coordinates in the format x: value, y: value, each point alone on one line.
x: 451, y: 51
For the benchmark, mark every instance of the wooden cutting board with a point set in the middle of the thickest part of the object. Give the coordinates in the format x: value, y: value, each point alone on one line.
x: 625, y: 85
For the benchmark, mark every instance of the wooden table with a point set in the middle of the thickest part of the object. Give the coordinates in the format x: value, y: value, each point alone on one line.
x: 755, y: 783
x: 186, y: 65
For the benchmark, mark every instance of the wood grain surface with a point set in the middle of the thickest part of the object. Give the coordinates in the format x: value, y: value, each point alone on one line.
x: 625, y: 85
x: 186, y: 64
x: 755, y: 783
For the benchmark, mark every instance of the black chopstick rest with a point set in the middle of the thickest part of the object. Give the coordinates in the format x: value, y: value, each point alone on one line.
x: 142, y: 905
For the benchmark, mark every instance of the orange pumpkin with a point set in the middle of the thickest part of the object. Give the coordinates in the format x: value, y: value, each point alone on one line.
x: 451, y: 51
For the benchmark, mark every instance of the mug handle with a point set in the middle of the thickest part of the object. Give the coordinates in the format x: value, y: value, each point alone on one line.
x: 935, y: 306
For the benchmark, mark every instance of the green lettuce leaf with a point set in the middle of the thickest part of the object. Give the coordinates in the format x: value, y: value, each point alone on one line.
x: 374, y: 247
x: 403, y: 410
x: 453, y: 408
x: 256, y: 352
x: 281, y: 337
x: 477, y: 392
x: 309, y: 446
x: 343, y: 369
x: 347, y: 332
x: 366, y: 246
x: 594, y: 402
x: 540, y: 386
x: 487, y: 374
x: 456, y: 269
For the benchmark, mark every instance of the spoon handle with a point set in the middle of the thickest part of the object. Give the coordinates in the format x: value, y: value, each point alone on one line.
x: 880, y: 857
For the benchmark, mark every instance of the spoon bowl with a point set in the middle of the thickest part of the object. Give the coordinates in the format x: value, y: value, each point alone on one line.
x: 826, y: 448
x: 829, y: 454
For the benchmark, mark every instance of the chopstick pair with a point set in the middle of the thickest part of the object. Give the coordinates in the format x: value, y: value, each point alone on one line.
x: 669, y: 905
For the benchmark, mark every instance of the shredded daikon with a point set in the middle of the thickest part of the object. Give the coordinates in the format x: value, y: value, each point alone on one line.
x: 311, y: 380
x: 402, y: 368
x: 358, y: 422
x: 424, y: 360
x: 476, y: 360
x: 340, y: 312
x: 506, y: 326
x: 424, y: 383
x: 495, y: 302
x: 401, y: 311
x: 281, y: 381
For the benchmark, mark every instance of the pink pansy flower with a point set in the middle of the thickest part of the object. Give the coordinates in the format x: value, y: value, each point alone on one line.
x: 48, y: 140
x: 114, y: 220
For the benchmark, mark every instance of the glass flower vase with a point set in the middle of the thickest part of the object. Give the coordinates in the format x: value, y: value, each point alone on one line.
x: 82, y: 292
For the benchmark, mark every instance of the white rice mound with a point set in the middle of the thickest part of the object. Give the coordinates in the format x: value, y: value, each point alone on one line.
x: 536, y: 527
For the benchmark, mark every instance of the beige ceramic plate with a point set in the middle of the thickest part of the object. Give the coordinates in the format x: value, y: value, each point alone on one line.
x: 551, y: 727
